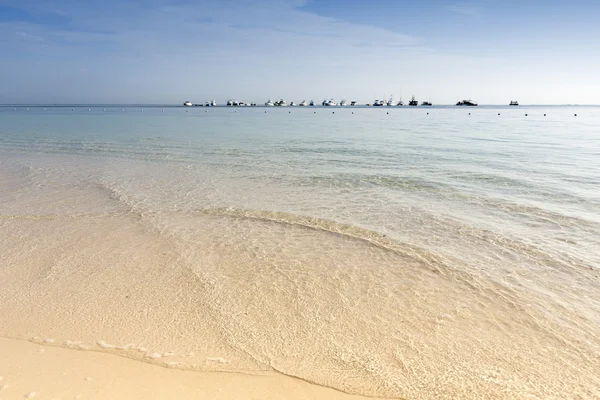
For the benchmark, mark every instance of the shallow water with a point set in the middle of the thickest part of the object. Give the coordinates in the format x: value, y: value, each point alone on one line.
x: 403, y: 252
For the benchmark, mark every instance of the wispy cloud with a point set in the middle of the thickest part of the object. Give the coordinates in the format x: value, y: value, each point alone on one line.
x: 467, y: 9
x: 29, y: 37
x: 161, y: 50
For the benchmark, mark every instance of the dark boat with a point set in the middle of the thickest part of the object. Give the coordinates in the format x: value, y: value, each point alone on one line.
x: 466, y: 103
x: 413, y: 102
x: 514, y: 103
x: 426, y: 103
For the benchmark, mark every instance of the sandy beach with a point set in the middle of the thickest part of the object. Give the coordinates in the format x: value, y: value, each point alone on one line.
x: 162, y: 269
x: 29, y: 370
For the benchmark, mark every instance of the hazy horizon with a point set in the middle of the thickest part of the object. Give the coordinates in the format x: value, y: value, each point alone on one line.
x: 166, y: 52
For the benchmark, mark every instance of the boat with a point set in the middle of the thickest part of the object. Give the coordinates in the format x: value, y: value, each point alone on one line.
x: 426, y: 103
x: 253, y: 104
x: 187, y: 103
x: 399, y: 104
x: 331, y: 103
x: 207, y: 104
x: 312, y: 103
x: 303, y: 104
x: 281, y: 103
x: 269, y: 103
x: 390, y: 102
x: 235, y: 103
x: 353, y: 103
x: 213, y: 103
x: 229, y: 102
x: 514, y: 103
x: 343, y: 103
x: 413, y: 102
x: 466, y: 103
x: 292, y: 104
x: 378, y: 103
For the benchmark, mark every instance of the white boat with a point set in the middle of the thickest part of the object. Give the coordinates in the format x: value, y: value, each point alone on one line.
x: 343, y: 103
x: 269, y: 103
x: 378, y: 103
x: 329, y: 103
x: 390, y: 102
x: 187, y: 103
x: 281, y: 103
x: 213, y: 103
x: 229, y: 102
x: 303, y: 104
x: 292, y: 104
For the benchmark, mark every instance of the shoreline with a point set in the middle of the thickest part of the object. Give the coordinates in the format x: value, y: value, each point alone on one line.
x: 31, y: 369
x: 210, y: 270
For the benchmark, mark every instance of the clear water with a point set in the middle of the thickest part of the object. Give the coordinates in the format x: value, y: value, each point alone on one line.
x: 504, y: 200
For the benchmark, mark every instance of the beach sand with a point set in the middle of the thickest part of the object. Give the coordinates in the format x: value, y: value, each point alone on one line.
x: 29, y: 370
x: 159, y: 303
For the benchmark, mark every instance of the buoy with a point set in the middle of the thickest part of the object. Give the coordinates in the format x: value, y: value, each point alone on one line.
x: 333, y: 112
x: 525, y: 114
x: 544, y: 115
x: 352, y: 112
x: 427, y: 113
x: 186, y: 111
x: 575, y: 114
x: 387, y: 113
x: 314, y: 112
x: 498, y: 113
x: 289, y: 112
x: 469, y: 113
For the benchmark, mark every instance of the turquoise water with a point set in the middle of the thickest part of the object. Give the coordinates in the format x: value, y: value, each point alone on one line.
x: 507, y: 195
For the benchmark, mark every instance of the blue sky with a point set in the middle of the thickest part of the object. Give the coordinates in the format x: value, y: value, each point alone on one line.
x: 167, y: 51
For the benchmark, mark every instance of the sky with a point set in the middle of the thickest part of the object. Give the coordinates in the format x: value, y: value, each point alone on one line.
x: 169, y: 51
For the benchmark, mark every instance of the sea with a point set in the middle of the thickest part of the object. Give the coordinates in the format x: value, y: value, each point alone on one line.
x: 392, y: 252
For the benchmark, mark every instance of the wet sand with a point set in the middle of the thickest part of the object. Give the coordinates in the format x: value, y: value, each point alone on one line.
x: 125, y: 278
x: 29, y: 370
